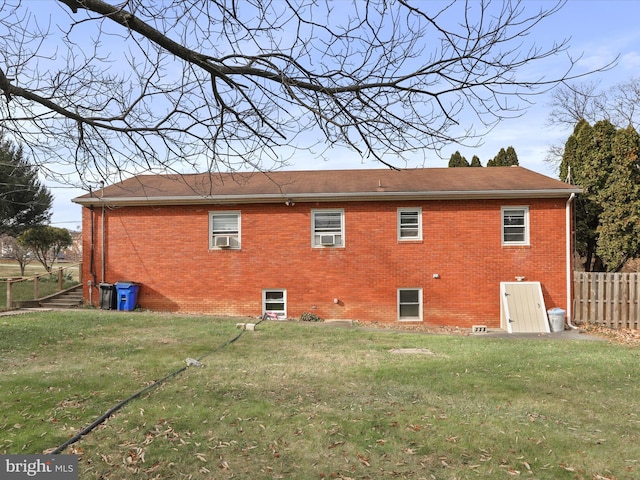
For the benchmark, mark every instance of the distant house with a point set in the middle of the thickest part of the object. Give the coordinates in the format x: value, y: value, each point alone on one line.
x: 420, y: 245
x: 73, y: 253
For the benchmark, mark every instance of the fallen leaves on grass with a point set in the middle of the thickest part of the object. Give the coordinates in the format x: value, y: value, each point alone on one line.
x: 363, y: 460
x: 624, y: 336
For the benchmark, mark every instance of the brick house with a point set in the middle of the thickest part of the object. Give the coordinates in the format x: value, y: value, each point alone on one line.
x: 419, y: 245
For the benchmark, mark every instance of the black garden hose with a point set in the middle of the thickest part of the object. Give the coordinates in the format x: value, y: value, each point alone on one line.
x: 121, y: 404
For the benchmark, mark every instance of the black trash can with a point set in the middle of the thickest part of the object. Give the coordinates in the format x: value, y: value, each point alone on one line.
x: 108, y: 300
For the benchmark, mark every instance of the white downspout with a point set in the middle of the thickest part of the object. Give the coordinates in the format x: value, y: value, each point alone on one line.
x: 569, y: 262
x: 103, y: 230
x: 103, y: 243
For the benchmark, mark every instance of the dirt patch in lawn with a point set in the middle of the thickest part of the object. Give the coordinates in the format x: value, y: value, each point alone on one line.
x: 412, y: 351
x: 419, y: 328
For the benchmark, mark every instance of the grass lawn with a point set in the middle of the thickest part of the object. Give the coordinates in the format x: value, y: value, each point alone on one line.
x: 297, y: 400
x: 10, y: 268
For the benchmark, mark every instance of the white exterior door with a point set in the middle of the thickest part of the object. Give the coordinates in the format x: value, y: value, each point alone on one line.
x: 522, y: 308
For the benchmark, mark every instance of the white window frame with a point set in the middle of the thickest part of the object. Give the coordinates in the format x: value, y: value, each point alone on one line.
x: 280, y: 314
x: 525, y: 211
x: 316, y: 234
x: 416, y: 210
x: 419, y: 303
x: 235, y: 236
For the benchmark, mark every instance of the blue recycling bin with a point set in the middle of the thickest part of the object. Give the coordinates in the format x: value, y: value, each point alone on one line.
x: 127, y: 294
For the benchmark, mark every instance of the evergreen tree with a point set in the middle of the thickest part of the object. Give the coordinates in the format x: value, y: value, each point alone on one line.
x: 505, y: 158
x: 588, y: 161
x: 587, y: 208
x: 475, y: 162
x: 458, y: 160
x: 25, y: 202
x: 619, y: 228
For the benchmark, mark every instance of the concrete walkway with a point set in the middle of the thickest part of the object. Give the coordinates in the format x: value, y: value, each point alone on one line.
x: 22, y: 311
x: 568, y: 334
x: 565, y: 335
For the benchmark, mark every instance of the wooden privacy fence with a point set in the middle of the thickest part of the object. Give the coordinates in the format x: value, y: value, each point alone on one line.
x: 610, y: 299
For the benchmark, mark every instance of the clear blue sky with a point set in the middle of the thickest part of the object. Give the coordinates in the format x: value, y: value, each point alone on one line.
x: 600, y: 30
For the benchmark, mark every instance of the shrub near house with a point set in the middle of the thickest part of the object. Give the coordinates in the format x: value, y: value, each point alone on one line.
x: 420, y: 245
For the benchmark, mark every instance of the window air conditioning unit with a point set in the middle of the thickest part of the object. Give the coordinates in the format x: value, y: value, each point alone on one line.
x: 223, y: 242
x: 327, y: 240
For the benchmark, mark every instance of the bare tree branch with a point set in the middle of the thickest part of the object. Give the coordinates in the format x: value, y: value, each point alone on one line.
x: 105, y: 90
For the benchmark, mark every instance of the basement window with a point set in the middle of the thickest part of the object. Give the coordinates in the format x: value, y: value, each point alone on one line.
x: 410, y: 304
x: 274, y: 302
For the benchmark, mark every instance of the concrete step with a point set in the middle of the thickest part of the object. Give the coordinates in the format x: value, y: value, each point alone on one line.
x: 69, y: 299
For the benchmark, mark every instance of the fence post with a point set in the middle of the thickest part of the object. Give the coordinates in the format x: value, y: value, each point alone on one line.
x: 59, y: 279
x: 36, y: 287
x: 9, y: 294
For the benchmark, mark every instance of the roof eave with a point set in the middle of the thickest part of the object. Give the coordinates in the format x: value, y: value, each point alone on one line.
x: 328, y: 197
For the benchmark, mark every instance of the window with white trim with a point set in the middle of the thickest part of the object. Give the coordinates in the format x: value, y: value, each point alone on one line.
x: 515, y: 225
x: 224, y: 230
x: 410, y: 304
x: 274, y: 303
x: 327, y: 228
x: 409, y: 224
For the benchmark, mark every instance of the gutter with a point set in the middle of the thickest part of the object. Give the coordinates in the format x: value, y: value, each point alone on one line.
x: 326, y: 197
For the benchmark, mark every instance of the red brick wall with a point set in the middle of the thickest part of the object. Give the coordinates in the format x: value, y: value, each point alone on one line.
x: 166, y: 249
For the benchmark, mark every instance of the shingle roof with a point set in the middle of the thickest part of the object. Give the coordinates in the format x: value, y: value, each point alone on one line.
x: 328, y: 185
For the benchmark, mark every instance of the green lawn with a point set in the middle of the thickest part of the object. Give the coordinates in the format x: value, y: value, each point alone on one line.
x: 296, y: 400
x: 10, y: 268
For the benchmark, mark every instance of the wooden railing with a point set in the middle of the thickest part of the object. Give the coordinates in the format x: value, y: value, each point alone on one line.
x: 25, y: 289
x: 610, y: 299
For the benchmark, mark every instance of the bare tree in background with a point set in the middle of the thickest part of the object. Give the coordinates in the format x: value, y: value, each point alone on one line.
x: 619, y: 104
x: 571, y: 103
x: 623, y: 102
x: 12, y: 250
x: 101, y: 90
x: 575, y: 101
